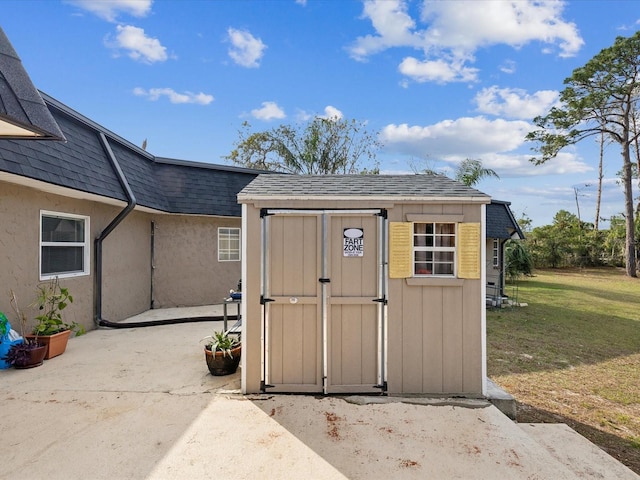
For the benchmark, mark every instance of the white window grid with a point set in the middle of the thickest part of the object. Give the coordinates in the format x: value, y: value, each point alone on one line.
x: 229, y: 244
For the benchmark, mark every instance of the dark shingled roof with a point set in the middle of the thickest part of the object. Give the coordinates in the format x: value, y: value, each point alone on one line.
x: 389, y: 186
x: 82, y: 163
x: 500, y: 221
x: 20, y: 102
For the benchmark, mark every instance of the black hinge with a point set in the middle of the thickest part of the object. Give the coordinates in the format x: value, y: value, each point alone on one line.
x: 264, y: 301
x: 382, y: 300
x: 264, y: 386
x: 324, y: 280
x: 383, y: 387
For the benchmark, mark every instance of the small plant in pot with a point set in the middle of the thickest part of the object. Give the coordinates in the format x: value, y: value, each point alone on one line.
x: 222, y: 353
x: 29, y: 352
x: 50, y: 327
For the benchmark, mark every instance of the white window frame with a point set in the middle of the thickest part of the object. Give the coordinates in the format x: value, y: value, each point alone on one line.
x: 435, y: 249
x: 232, y: 254
x: 85, y: 245
x: 496, y: 252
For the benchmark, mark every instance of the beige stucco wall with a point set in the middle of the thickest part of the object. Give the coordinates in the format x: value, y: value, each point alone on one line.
x: 435, y: 327
x: 126, y: 267
x: 19, y: 256
x: 187, y: 270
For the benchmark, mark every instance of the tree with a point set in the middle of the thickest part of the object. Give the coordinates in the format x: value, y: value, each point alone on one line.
x: 600, y: 97
x: 470, y: 172
x: 322, y: 146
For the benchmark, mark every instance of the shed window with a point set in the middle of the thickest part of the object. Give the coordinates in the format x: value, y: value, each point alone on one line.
x: 64, y: 245
x: 434, y: 249
x: 228, y: 244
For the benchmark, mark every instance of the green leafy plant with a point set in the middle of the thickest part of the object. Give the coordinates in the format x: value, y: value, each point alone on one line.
x: 51, y: 300
x: 222, y: 342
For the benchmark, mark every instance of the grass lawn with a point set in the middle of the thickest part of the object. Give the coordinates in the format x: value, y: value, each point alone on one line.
x: 573, y: 355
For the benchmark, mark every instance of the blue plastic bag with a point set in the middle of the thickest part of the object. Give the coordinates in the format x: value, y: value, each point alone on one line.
x: 5, y: 340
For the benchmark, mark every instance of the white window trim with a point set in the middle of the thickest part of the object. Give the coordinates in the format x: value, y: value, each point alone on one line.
x: 496, y: 253
x: 85, y: 245
x: 239, y: 230
x: 434, y: 249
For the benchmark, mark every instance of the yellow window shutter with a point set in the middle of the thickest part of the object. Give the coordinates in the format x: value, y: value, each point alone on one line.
x: 400, y: 249
x: 469, y: 248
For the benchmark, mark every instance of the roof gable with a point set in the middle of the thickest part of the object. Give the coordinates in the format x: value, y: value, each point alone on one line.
x: 500, y: 221
x: 20, y: 103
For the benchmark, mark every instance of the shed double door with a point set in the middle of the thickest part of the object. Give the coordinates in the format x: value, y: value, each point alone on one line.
x: 323, y: 292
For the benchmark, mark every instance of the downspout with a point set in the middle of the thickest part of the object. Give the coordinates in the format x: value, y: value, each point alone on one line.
x: 131, y: 204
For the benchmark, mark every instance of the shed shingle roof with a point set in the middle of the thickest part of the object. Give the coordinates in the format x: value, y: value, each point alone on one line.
x: 351, y: 186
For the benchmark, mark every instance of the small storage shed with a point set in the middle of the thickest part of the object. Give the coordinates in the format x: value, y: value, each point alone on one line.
x: 363, y: 284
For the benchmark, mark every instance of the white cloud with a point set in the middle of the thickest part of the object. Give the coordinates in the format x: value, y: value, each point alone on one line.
x: 496, y: 142
x: 109, y: 9
x: 154, y: 94
x: 393, y: 25
x: 246, y: 50
x: 269, y: 111
x: 472, y: 24
x: 438, y: 71
x: 138, y: 45
x: 467, y: 136
x: 332, y: 113
x: 454, y: 31
x: 515, y: 102
x: 508, y: 66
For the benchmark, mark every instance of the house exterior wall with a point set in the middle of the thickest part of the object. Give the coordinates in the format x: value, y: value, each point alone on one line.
x: 126, y: 266
x: 19, y: 257
x: 495, y: 282
x: 187, y: 270
x: 435, y: 339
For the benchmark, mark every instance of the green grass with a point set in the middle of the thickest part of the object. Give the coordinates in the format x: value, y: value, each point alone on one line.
x: 573, y: 354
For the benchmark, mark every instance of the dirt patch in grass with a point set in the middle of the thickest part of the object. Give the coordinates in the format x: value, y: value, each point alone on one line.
x: 573, y: 355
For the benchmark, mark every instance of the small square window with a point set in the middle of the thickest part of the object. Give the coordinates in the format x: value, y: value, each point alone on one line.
x: 434, y: 249
x: 228, y: 244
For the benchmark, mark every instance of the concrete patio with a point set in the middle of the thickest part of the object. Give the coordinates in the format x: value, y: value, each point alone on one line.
x: 140, y: 404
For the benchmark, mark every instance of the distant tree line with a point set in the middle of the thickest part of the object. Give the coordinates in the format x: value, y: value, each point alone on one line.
x: 569, y: 242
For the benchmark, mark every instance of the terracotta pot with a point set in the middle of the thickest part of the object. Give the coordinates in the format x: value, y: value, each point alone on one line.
x: 56, y: 344
x: 220, y: 364
x: 36, y: 357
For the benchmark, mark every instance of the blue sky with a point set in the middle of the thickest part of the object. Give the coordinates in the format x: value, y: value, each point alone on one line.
x: 437, y: 81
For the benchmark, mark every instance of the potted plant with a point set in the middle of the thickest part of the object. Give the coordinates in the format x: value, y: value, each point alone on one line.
x: 25, y: 353
x: 50, y: 328
x: 222, y: 353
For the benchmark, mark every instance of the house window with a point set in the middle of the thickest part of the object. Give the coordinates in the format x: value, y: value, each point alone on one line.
x: 228, y: 244
x: 64, y: 245
x: 434, y: 249
x: 496, y: 253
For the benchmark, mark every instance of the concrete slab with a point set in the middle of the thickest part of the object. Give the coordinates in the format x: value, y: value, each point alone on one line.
x: 584, y: 458
x: 140, y: 404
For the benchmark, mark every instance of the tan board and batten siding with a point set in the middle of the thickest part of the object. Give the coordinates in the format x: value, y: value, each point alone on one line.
x: 435, y: 338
